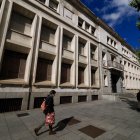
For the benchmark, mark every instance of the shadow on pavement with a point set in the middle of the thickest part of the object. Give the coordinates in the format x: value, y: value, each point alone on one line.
x: 133, y: 104
x: 62, y: 124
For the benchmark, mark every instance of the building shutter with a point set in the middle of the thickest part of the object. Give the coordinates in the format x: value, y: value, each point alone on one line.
x: 49, y: 70
x: 13, y: 65
x: 22, y: 67
x: 93, y: 77
x: 65, y: 73
x: 80, y: 75
x: 44, y: 70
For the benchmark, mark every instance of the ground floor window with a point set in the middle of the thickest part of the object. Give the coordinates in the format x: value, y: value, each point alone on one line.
x: 13, y: 65
x: 65, y: 73
x: 81, y: 75
x: 44, y: 70
x: 93, y: 82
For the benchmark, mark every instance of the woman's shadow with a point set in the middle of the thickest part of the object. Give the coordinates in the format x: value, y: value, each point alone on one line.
x: 62, y: 124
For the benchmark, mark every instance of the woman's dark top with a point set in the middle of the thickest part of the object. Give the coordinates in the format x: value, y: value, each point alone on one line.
x: 50, y: 105
x: 138, y: 96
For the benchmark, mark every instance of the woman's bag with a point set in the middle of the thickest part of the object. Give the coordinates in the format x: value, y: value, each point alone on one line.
x: 43, y: 105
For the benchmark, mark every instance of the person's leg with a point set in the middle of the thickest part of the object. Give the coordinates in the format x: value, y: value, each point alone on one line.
x: 39, y: 127
x: 51, y: 132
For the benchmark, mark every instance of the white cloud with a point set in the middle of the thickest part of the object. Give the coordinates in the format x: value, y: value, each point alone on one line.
x: 120, y: 8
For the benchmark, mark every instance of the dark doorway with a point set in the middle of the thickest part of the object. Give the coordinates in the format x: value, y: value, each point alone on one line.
x: 114, y: 80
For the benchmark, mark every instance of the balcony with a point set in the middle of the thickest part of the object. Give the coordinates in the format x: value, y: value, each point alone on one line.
x: 115, y: 65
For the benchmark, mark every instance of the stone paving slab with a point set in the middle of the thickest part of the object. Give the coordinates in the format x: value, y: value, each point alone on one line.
x: 119, y: 119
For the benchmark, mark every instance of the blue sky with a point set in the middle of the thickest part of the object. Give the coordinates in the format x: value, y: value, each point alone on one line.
x: 120, y: 16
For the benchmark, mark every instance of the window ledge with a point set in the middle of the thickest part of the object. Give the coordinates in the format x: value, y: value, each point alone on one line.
x: 94, y: 59
x: 82, y: 86
x: 68, y: 50
x: 20, y: 33
x: 44, y: 83
x: 82, y: 55
x: 13, y: 82
x: 95, y: 86
x: 67, y: 84
x: 48, y: 43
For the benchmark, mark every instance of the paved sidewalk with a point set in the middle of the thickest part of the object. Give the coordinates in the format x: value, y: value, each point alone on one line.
x: 120, y: 120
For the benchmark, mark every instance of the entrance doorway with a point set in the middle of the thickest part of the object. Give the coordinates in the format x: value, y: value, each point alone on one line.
x: 114, y: 80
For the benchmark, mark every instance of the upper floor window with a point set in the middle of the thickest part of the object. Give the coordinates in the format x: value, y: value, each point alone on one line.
x: 67, y: 42
x: 93, y: 30
x: 111, y: 42
x: 104, y: 58
x: 48, y: 31
x: 80, y: 22
x: 93, y: 51
x: 87, y: 26
x: 113, y: 58
x: 19, y: 22
x: 81, y: 46
x: 53, y: 4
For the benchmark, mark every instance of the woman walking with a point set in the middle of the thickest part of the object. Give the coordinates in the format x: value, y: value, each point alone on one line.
x: 49, y: 113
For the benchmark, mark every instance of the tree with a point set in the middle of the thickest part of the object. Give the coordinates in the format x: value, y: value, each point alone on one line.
x: 138, y: 54
x: 136, y: 5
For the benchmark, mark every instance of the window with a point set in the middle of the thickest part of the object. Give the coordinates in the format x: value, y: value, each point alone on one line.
x: 21, y: 23
x: 48, y: 34
x: 105, y: 80
x: 93, y: 53
x: 113, y: 58
x: 67, y: 42
x: 80, y: 75
x: 80, y: 22
x: 87, y: 27
x: 104, y: 58
x: 93, y: 30
x: 13, y: 65
x: 93, y: 82
x: 93, y: 49
x: 44, y: 70
x: 111, y: 42
x: 53, y: 4
x: 65, y: 73
x: 81, y: 48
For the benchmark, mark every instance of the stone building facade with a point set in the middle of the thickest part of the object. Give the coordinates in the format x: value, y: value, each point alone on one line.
x: 61, y: 45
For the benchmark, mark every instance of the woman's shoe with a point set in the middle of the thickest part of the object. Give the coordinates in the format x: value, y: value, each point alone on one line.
x: 52, y: 132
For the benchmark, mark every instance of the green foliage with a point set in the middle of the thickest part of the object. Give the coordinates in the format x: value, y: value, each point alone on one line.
x: 136, y: 5
x: 138, y: 54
